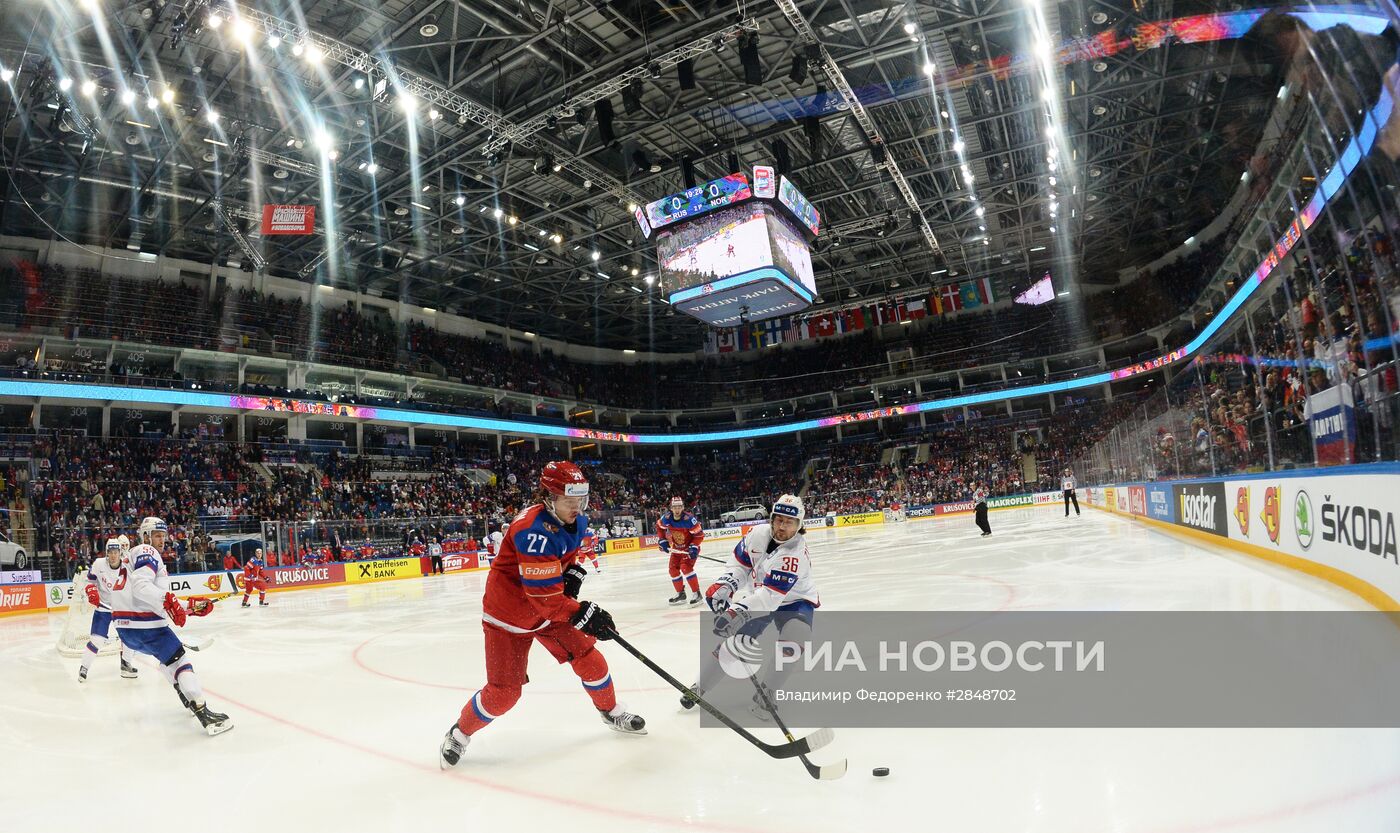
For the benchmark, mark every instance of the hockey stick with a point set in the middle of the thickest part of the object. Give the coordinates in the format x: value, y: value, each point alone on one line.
x: 828, y: 772
x: 792, y: 748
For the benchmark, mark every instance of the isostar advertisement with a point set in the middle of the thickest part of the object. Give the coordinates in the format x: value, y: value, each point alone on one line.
x: 1346, y: 522
x: 288, y: 219
x: 1201, y: 506
x: 861, y: 519
x: 381, y: 570
x: 306, y: 576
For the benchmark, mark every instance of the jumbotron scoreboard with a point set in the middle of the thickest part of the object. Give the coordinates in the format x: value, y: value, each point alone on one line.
x: 734, y: 250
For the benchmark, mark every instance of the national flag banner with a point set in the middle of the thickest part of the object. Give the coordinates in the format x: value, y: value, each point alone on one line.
x: 744, y: 338
x: 902, y: 309
x: 986, y: 287
x: 288, y: 219
x: 917, y: 308
x: 857, y: 321
x: 971, y: 299
x: 950, y: 297
x: 728, y: 340
x: 794, y: 331
x: 774, y: 331
x: 711, y: 343
x: 823, y: 325
x: 935, y: 304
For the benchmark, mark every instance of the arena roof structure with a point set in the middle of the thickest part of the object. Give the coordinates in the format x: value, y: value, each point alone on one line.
x: 484, y: 157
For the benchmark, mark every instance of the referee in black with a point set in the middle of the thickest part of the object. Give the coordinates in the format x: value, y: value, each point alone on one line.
x: 980, y: 496
x: 1067, y: 482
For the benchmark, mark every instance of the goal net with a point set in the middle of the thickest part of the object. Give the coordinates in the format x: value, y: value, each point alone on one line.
x: 78, y: 624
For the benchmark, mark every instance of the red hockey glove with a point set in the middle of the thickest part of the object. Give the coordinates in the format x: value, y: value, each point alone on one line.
x: 92, y: 597
x: 200, y: 606
x: 174, y: 609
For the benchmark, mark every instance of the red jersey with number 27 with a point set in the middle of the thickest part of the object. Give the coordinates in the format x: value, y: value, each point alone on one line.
x: 525, y: 588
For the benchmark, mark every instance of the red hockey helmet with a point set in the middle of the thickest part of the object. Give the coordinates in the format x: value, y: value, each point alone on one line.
x: 562, y: 478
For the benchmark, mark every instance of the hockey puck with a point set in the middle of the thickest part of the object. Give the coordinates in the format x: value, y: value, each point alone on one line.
x: 880, y: 771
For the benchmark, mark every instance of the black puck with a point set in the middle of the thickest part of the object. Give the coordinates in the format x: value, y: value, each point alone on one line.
x: 880, y: 771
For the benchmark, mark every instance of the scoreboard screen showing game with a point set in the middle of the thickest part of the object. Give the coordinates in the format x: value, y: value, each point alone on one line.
x: 740, y: 263
x: 693, y: 202
x: 789, y: 196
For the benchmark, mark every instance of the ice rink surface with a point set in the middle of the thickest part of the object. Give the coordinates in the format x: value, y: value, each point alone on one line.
x: 341, y: 696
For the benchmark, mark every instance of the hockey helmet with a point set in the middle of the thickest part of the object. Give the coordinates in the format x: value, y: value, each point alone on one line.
x: 149, y: 525
x: 564, y: 479
x: 790, y: 506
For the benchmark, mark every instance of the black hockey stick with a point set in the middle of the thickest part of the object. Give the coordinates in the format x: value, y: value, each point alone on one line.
x: 828, y: 772
x: 792, y: 748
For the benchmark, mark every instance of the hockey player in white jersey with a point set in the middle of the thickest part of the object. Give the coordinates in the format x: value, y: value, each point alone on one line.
x: 141, y: 603
x: 770, y: 583
x: 102, y: 576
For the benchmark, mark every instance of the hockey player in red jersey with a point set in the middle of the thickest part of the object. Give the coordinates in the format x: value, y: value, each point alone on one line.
x: 588, y: 548
x: 532, y: 596
x: 679, y: 533
x: 255, y: 576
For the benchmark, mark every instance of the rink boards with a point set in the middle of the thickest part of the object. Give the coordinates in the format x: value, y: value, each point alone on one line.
x: 1337, y: 523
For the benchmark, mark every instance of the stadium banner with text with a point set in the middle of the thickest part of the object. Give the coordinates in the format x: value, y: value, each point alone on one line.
x: 22, y: 598
x: 810, y: 522
x: 306, y: 576
x: 613, y: 545
x: 1082, y: 669
x: 21, y: 577
x: 455, y: 562
x: 861, y: 519
x: 58, y: 594
x: 1200, y: 505
x: 649, y: 541
x: 1137, y: 500
x: 1344, y: 522
x: 1110, y: 498
x: 1160, y: 505
x: 288, y: 219
x: 382, y: 569
x: 1332, y: 422
x: 921, y: 510
x: 719, y: 533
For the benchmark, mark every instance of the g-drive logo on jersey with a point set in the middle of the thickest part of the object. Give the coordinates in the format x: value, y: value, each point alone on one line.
x: 1202, y: 506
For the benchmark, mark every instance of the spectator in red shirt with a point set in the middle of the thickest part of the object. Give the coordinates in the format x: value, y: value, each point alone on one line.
x: 231, y: 561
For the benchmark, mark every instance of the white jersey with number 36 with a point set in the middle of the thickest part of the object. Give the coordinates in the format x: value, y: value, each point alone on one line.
x: 771, y: 575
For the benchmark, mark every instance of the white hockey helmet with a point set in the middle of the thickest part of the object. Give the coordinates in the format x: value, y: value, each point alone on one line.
x: 124, y: 541
x: 149, y: 525
x: 790, y: 506
x: 115, y: 544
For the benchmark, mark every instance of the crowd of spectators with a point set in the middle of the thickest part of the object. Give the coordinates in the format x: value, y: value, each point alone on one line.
x: 88, y: 304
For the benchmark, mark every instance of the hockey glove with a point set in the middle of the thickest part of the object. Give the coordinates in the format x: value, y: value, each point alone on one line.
x: 200, y: 606
x: 694, y: 552
x: 573, y: 580
x: 174, y: 609
x: 92, y: 597
x: 594, y: 621
x: 664, y: 545
x: 731, y: 622
x: 719, y: 593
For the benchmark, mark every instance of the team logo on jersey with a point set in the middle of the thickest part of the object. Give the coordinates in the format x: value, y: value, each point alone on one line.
x: 1273, y: 496
x: 678, y: 538
x: 215, y: 582
x: 1242, y: 510
x: 550, y: 528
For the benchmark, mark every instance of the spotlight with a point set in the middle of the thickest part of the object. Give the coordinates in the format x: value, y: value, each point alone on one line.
x: 212, y: 116
x: 429, y: 29
x: 89, y: 88
x: 930, y: 69
x: 497, y: 213
x: 215, y: 20
x: 981, y: 211
x: 274, y: 41
x: 168, y: 96
x: 372, y: 168
x: 314, y: 54
x: 595, y: 255
x: 298, y: 50
x: 557, y: 167
x: 360, y: 83
x: 512, y: 219
x: 151, y: 102
x: 959, y: 146
x: 910, y: 28
x: 461, y: 200
x: 128, y: 97
x: 407, y: 102
x: 433, y: 114
x: 631, y: 207
x: 65, y: 84
x: 243, y: 30
x: 7, y: 75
